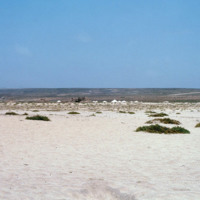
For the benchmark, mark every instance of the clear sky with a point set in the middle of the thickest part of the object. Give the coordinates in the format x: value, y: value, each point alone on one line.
x: 100, y: 43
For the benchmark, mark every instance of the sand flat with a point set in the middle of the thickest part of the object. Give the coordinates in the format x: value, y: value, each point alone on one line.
x: 97, y: 157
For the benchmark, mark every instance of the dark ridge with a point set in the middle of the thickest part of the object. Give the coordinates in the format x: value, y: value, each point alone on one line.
x: 100, y: 94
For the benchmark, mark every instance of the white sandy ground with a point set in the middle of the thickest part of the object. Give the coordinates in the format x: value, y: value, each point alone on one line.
x: 99, y: 158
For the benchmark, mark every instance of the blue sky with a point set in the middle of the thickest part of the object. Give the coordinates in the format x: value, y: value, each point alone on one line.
x: 105, y: 43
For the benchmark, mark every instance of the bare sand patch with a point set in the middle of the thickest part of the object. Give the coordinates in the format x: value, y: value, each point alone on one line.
x: 101, y: 157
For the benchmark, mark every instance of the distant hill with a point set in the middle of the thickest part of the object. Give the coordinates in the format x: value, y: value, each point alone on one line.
x: 66, y: 94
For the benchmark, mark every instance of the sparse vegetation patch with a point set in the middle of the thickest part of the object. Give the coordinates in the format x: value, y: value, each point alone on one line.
x: 179, y: 129
x: 11, y: 113
x: 198, y: 125
x: 122, y: 111
x: 73, y: 113
x: 162, y: 129
x: 38, y: 117
x: 131, y: 113
x: 150, y: 112
x: 98, y: 112
x: 164, y: 121
x: 158, y: 115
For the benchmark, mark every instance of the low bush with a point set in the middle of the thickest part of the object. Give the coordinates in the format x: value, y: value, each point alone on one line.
x: 131, y: 113
x: 38, y: 117
x: 11, y: 113
x: 162, y: 129
x: 198, y: 125
x: 73, y: 113
x: 179, y: 129
x: 98, y: 112
x: 122, y: 111
x: 150, y: 112
x: 158, y: 115
x: 164, y: 121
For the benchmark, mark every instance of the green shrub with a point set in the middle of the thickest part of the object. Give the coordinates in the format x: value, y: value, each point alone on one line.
x: 161, y: 129
x: 38, y: 117
x: 11, y: 113
x: 198, y: 125
x: 158, y: 115
x: 122, y: 111
x: 98, y: 112
x: 150, y: 112
x: 179, y: 129
x: 25, y: 114
x: 35, y: 110
x: 164, y: 121
x: 73, y: 113
x: 131, y: 113
x: 153, y: 129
